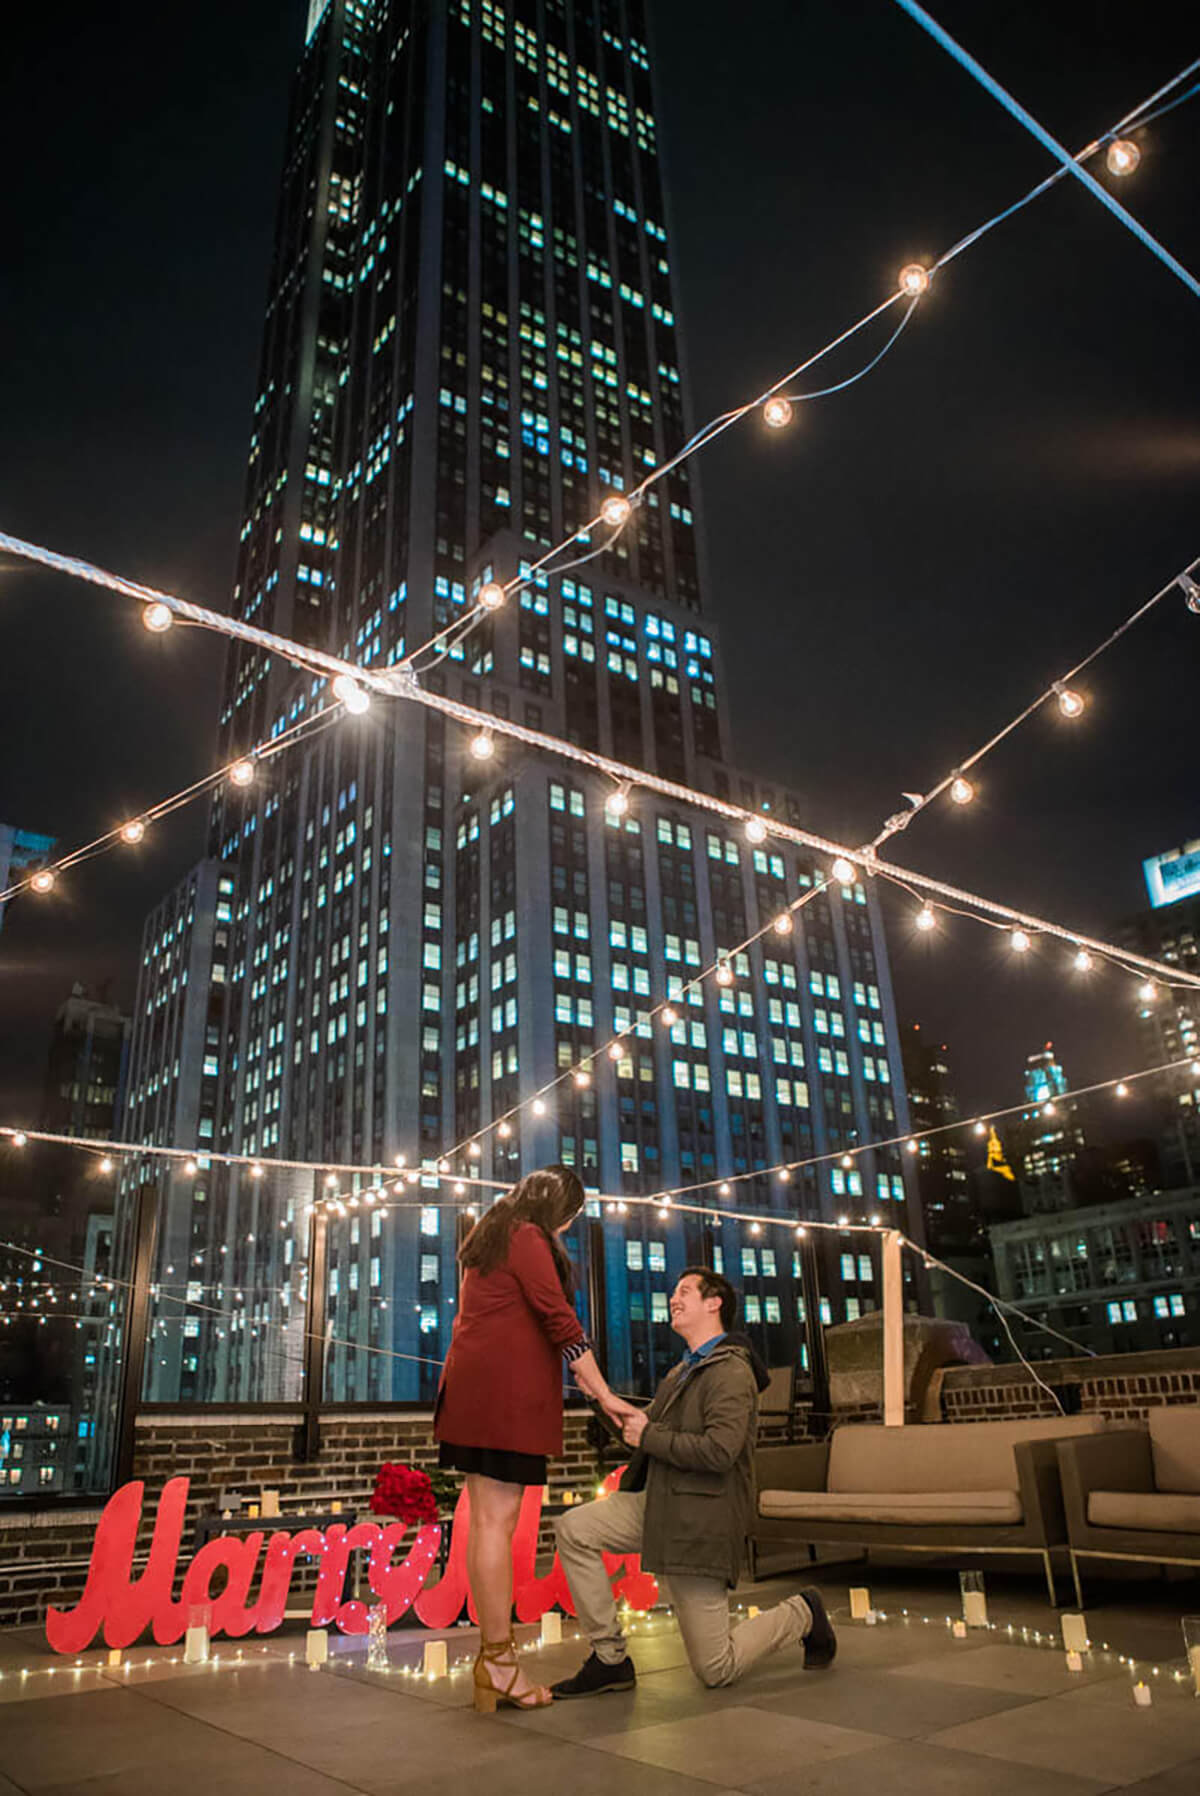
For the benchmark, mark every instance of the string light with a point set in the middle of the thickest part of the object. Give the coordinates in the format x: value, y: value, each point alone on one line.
x: 616, y: 1050
x: 756, y: 830
x: 483, y: 745
x: 1070, y: 703
x: 191, y: 1168
x: 1147, y: 991
x: 1122, y: 156
x: 351, y: 694
x: 133, y: 831
x: 242, y: 773
x: 724, y: 973
x: 157, y: 617
x: 615, y: 510
x: 925, y: 918
x: 783, y: 924
x: 106, y: 1165
x: 1019, y: 941
x: 777, y: 412
x: 961, y: 790
x: 581, y: 1078
x: 43, y: 880
x: 617, y: 803
x: 843, y: 871
x: 1083, y: 962
x: 669, y: 1017
x: 914, y: 279
x: 492, y: 595
x: 1191, y: 592
x: 19, y: 1138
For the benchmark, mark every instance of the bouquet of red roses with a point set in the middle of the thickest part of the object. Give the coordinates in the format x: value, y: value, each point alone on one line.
x: 405, y: 1492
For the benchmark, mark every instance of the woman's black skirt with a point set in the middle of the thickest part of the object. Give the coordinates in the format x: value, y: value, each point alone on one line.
x: 494, y: 1462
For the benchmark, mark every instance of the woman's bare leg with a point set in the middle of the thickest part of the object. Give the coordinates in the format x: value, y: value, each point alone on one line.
x: 495, y: 1509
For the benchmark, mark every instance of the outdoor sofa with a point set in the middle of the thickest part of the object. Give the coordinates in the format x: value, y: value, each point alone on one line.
x: 953, y: 1488
x: 1134, y: 1493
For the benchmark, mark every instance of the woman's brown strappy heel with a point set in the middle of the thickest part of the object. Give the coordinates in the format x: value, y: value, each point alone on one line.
x: 488, y: 1694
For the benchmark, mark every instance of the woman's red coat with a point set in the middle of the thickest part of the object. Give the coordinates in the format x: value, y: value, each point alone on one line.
x: 502, y: 1381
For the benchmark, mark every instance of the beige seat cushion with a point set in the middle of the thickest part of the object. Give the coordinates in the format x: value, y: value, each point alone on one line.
x: 931, y: 1508
x: 931, y: 1456
x: 1165, y: 1512
x: 1175, y: 1444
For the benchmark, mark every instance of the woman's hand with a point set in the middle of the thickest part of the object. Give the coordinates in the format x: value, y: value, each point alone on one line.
x: 618, y: 1409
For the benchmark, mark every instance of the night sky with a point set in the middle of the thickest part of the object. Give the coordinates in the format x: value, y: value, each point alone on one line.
x: 892, y: 578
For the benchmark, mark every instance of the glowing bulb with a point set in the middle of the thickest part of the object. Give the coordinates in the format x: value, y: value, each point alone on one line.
x: 1122, y: 1090
x: 157, y: 617
x: 843, y: 871
x: 847, y: 1160
x: 1083, y: 961
x: 615, y: 510
x: 106, y: 1164
x: 756, y: 1228
x: 617, y: 803
x: 256, y: 1172
x: 43, y: 880
x: 801, y: 1234
x: 1070, y: 703
x: 785, y: 1175
x: 875, y: 1221
x: 756, y: 830
x: 1019, y: 942
x: 330, y: 1181
x: 242, y: 773
x: 1191, y: 592
x: 925, y: 918
x: 191, y: 1168
x: 914, y: 279
x: 1122, y: 156
x: 722, y: 1190
x: 474, y: 1149
x: 355, y: 698
x: 981, y: 1128
x: 19, y: 1138
x: 1049, y: 1110
x: 911, y: 1147
x: 504, y: 1130
x: 582, y: 1078
x: 133, y: 831
x: 412, y: 1176
x: 615, y: 1050
x: 777, y: 412
x: 492, y: 595
x: 669, y: 1017
x: 483, y: 746
x: 961, y: 790
x: 538, y: 1106
x: 842, y: 1221
x: 783, y: 924
x: 724, y: 973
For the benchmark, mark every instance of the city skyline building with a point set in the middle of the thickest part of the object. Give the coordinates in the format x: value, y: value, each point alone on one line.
x: 1050, y: 1133
x: 1169, y: 1018
x: 470, y: 342
x: 20, y: 849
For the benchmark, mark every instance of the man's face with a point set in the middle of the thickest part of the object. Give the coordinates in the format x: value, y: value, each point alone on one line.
x: 690, y: 1312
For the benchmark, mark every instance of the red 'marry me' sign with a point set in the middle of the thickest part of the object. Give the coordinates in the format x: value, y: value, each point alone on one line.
x: 124, y: 1607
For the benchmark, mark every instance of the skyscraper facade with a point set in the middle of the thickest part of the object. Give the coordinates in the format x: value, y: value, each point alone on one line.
x: 1169, y: 1018
x: 470, y: 342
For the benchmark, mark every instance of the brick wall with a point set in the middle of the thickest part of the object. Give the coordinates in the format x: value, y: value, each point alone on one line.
x: 1121, y: 1386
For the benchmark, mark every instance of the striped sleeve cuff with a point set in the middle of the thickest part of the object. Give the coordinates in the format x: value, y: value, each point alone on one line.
x: 577, y: 1350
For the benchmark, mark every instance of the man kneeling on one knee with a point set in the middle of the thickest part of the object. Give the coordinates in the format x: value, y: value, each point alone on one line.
x: 685, y: 1503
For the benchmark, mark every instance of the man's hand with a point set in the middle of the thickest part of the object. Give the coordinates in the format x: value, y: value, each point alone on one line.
x: 617, y: 1409
x: 634, y: 1426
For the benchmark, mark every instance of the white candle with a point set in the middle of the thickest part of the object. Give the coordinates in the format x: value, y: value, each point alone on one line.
x: 975, y: 1609
x: 871, y: 1617
x: 1141, y: 1695
x: 270, y: 1502
x: 551, y: 1628
x: 434, y: 1662
x: 1194, y: 1662
x: 860, y: 1602
x: 195, y: 1646
x: 316, y: 1647
x: 114, y: 1655
x: 1074, y: 1633
x: 335, y: 1508
x: 1074, y: 1661
x: 959, y: 1630
x: 751, y: 1611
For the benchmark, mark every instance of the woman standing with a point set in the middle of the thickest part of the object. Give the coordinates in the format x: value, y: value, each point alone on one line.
x: 499, y: 1408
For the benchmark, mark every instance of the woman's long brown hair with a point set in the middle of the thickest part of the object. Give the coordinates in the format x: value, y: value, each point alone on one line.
x: 548, y: 1199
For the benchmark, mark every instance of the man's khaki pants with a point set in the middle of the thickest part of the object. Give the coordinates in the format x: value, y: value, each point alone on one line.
x: 718, y: 1653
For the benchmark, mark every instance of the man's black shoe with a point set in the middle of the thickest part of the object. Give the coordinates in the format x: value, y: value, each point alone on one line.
x: 820, y: 1643
x: 594, y: 1678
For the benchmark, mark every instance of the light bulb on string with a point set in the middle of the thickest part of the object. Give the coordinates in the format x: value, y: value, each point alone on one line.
x: 912, y: 1147
x: 777, y: 412
x: 615, y: 1050
x: 783, y: 924
x: 1019, y: 942
x: 1147, y: 991
x: 980, y: 1128
x: 961, y: 790
x: 843, y: 871
x: 19, y: 1138
x: 538, y: 1106
x: 483, y: 745
x: 617, y: 803
x: 925, y: 918
x: 723, y: 1190
x: 504, y: 1130
x: 191, y: 1168
x: 1191, y: 592
x: 724, y: 972
x: 106, y: 1165
x: 1122, y: 156
x: 785, y: 1175
x: 914, y: 279
x: 157, y: 617
x: 348, y: 691
x: 615, y: 510
x: 43, y: 880
x: 1070, y: 702
x: 581, y: 1078
x: 1083, y: 962
x: 242, y: 772
x: 847, y: 1160
x: 756, y: 830
x: 669, y: 1017
x: 492, y: 595
x: 1122, y: 1090
x: 474, y: 1149
x: 133, y: 831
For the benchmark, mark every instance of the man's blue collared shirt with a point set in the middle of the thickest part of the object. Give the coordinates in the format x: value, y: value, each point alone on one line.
x: 694, y: 1355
